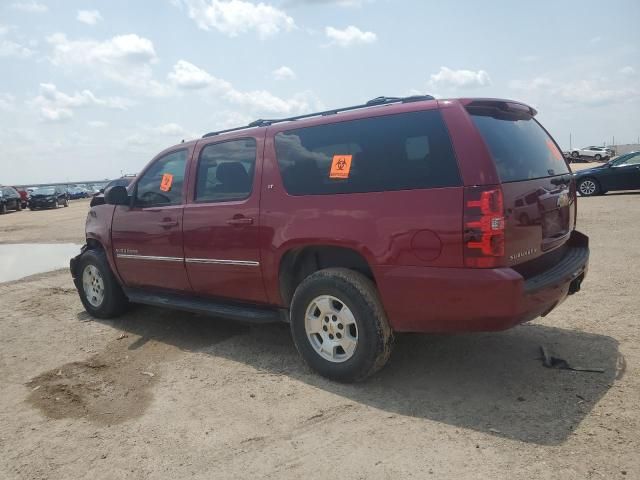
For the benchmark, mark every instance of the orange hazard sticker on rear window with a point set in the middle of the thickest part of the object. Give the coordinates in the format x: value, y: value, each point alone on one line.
x: 340, y: 166
x: 167, y: 180
x: 554, y: 150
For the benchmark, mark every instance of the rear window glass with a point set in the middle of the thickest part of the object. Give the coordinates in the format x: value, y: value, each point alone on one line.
x: 521, y: 149
x: 394, y: 152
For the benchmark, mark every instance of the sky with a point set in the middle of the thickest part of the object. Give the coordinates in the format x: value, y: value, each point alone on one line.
x: 93, y: 89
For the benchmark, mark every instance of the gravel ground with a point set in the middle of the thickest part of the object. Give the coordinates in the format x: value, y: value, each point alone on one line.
x: 163, y: 394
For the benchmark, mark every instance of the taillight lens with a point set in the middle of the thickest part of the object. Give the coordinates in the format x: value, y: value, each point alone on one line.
x: 483, y: 227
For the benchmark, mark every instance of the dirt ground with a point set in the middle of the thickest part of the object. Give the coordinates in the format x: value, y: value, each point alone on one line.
x: 162, y: 394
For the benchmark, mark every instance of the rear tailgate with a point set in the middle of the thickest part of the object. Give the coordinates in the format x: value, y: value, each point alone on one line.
x: 539, y: 193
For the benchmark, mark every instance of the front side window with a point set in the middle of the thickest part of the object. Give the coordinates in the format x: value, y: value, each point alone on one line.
x: 393, y: 152
x: 225, y: 171
x: 163, y: 183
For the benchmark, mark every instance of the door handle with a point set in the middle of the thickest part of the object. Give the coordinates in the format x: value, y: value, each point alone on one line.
x: 240, y: 221
x: 168, y: 223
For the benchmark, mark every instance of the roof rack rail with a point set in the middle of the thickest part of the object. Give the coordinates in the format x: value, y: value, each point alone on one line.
x: 371, y: 103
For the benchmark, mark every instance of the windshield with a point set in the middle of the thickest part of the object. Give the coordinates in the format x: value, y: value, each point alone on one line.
x: 521, y: 148
x: 45, y: 191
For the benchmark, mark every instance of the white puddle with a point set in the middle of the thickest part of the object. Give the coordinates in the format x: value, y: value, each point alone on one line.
x: 18, y: 260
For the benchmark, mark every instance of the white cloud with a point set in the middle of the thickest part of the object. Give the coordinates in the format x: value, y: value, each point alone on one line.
x: 125, y: 59
x: 7, y: 102
x: 284, y: 73
x: 583, y: 92
x: 627, y: 70
x: 97, y: 124
x: 169, y: 129
x: 30, y: 7
x: 349, y: 36
x: 54, y: 105
x: 187, y: 76
x: 448, y: 78
x: 90, y: 17
x: 9, y: 48
x: 340, y: 3
x: 234, y: 17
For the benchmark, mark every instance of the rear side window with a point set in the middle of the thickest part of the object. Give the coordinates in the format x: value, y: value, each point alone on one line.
x: 521, y: 149
x: 395, y: 152
x: 225, y: 171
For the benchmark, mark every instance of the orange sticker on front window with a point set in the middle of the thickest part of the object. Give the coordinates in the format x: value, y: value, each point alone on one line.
x: 340, y: 166
x: 554, y: 150
x: 167, y: 180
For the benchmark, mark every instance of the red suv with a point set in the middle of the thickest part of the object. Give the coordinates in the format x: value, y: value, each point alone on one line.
x: 400, y: 215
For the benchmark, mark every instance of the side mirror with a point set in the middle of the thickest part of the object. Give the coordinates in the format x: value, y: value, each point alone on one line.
x: 116, y: 195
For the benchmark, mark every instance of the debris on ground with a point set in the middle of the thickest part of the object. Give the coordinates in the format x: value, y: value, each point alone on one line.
x: 560, y: 363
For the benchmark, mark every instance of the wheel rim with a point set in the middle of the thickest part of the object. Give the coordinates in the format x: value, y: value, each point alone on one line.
x: 587, y: 187
x: 331, y: 328
x: 93, y: 285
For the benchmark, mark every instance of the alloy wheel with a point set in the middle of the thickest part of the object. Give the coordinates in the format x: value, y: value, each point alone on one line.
x: 93, y: 285
x: 587, y: 187
x: 331, y: 328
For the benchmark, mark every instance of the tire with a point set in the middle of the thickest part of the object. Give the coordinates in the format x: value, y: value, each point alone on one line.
x: 347, y: 297
x: 575, y: 154
x: 3, y: 209
x: 598, y: 157
x: 589, y: 187
x: 66, y: 202
x: 18, y: 207
x: 99, y: 290
x: 56, y: 204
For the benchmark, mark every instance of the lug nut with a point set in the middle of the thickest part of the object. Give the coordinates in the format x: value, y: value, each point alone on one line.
x: 334, y: 318
x: 340, y: 326
x: 325, y: 328
x: 331, y: 336
x: 338, y: 335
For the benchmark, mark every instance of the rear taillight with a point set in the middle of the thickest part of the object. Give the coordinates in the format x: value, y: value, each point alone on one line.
x: 483, y: 227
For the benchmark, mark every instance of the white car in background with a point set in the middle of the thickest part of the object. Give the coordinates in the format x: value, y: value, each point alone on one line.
x: 597, y: 153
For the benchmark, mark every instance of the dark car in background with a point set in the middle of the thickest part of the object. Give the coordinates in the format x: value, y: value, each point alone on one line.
x: 621, y: 173
x: 98, y: 198
x: 9, y: 200
x: 48, y: 197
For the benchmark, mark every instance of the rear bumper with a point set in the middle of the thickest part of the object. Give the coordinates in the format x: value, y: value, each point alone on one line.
x: 420, y: 299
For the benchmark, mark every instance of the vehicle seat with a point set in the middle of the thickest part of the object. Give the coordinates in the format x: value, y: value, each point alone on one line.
x: 233, y: 178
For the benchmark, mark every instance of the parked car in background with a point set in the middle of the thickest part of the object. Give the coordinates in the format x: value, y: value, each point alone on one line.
x: 621, y: 173
x: 10, y: 199
x: 394, y: 216
x: 48, y: 197
x: 98, y: 199
x: 24, y: 197
x: 596, y: 153
x: 76, y: 193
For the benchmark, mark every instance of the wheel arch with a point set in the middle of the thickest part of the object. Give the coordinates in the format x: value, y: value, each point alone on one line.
x: 298, y: 262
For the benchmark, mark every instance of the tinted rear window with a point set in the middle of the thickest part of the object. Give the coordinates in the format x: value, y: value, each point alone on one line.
x: 521, y: 149
x: 395, y: 152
